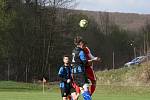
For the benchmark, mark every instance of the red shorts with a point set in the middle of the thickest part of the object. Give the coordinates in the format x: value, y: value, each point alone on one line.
x: 74, y: 85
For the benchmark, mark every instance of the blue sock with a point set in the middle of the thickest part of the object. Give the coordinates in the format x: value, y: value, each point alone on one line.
x: 86, y: 95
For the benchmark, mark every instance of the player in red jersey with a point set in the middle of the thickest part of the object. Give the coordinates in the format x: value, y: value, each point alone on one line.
x: 89, y: 70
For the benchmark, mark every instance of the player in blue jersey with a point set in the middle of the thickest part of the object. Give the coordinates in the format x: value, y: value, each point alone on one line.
x: 79, y: 62
x: 67, y: 91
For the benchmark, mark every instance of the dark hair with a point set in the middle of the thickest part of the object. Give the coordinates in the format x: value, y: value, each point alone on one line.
x: 66, y: 56
x: 78, y: 39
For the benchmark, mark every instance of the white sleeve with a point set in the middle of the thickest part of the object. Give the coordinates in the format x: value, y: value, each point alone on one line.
x: 90, y: 54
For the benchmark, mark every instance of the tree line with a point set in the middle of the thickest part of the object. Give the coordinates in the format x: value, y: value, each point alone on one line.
x: 35, y: 34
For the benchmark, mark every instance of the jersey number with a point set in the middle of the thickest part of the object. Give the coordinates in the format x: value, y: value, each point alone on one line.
x: 73, y: 57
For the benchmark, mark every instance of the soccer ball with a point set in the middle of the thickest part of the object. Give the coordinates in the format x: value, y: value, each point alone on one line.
x: 83, y: 23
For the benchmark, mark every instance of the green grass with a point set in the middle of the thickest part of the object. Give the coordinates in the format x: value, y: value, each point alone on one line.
x: 14, y: 86
x: 23, y: 91
x: 120, y: 84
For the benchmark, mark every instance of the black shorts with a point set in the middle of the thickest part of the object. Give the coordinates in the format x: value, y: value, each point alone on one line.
x: 80, y: 79
x: 67, y: 90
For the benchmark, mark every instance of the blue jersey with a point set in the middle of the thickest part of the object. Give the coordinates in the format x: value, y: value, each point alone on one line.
x: 79, y: 60
x: 64, y: 74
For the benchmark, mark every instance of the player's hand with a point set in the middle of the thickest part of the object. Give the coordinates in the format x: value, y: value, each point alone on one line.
x: 68, y: 80
x: 96, y: 59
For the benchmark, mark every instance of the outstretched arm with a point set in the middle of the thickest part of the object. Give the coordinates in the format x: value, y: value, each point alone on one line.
x: 92, y: 58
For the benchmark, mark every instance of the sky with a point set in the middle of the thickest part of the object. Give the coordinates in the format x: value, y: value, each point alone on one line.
x: 125, y: 6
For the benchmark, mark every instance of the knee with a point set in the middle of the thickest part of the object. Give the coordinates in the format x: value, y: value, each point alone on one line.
x: 75, y: 96
x: 64, y: 98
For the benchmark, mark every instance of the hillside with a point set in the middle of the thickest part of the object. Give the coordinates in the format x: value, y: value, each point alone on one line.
x: 129, y: 21
x: 127, y: 76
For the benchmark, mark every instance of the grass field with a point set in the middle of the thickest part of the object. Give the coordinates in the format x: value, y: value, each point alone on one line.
x: 22, y: 91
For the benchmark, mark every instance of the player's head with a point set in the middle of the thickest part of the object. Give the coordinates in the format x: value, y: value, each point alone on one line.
x: 79, y: 42
x: 85, y: 45
x: 77, y: 39
x: 66, y: 59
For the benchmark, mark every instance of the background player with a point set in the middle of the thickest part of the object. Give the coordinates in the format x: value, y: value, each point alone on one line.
x: 66, y: 79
